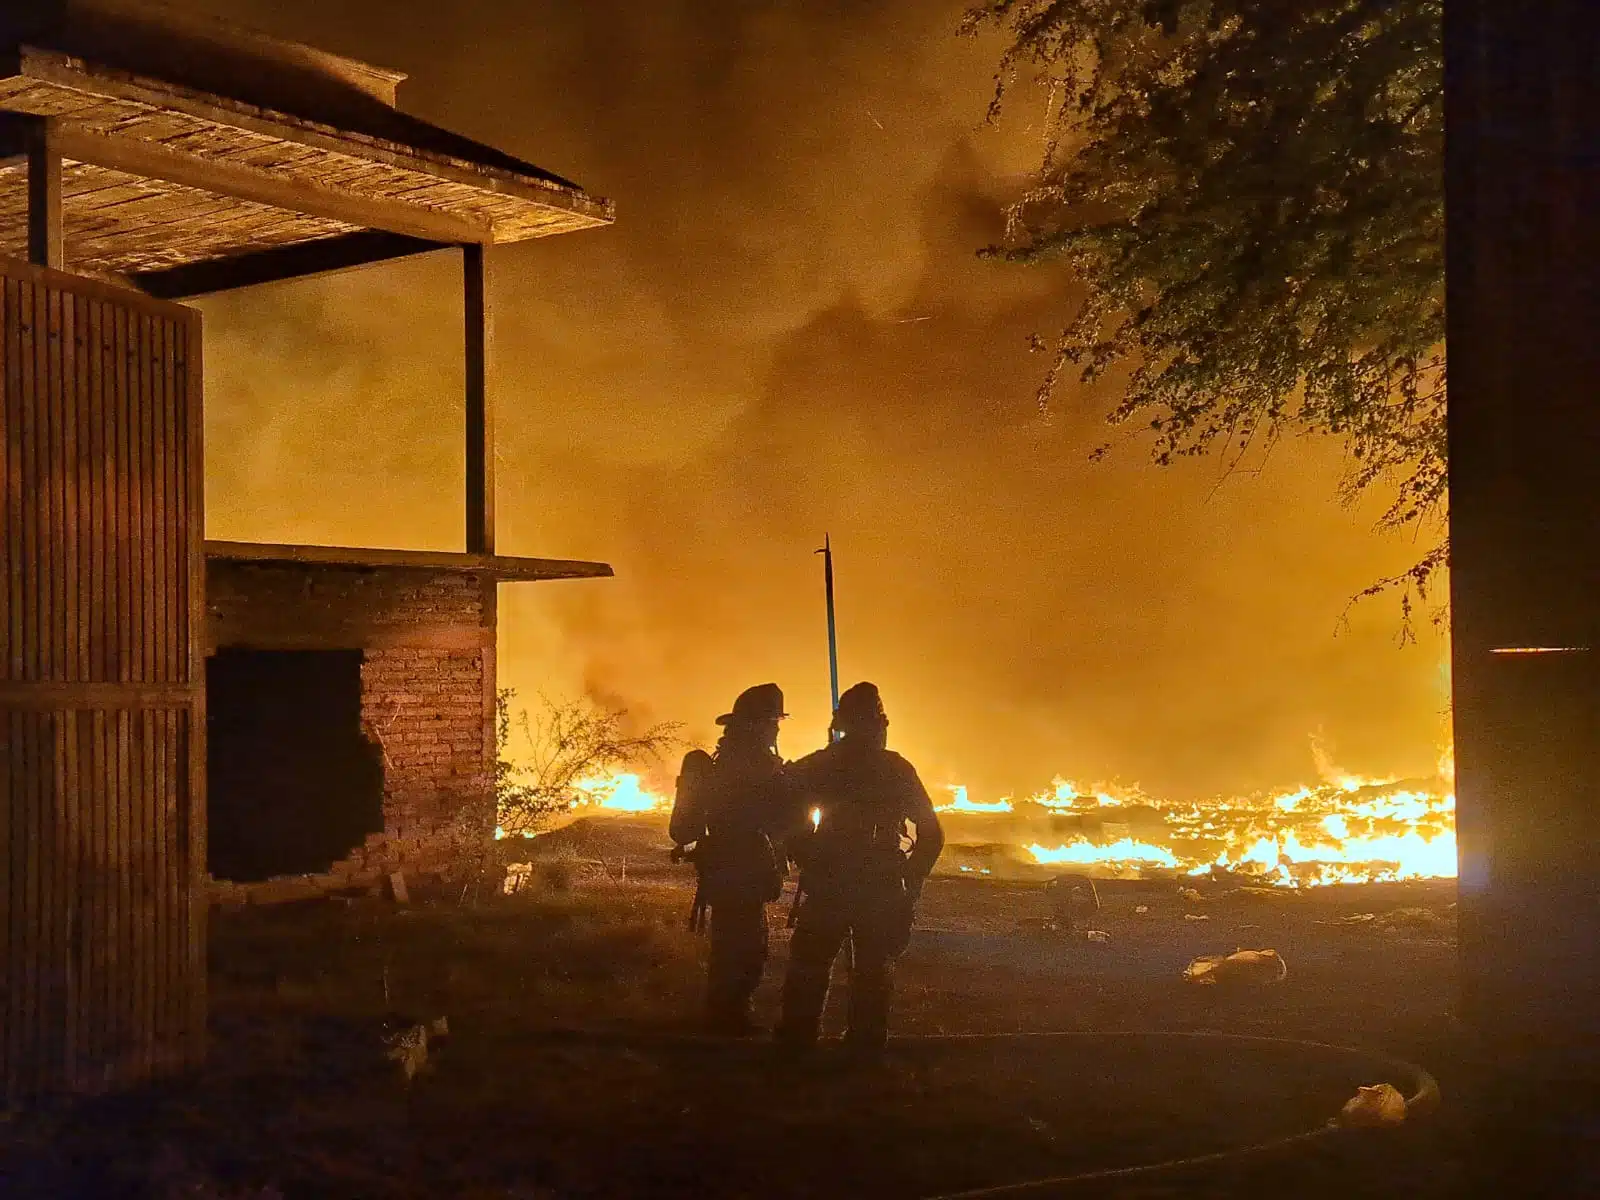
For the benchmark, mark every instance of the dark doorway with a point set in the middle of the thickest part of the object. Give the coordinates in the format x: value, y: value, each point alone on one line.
x: 292, y: 783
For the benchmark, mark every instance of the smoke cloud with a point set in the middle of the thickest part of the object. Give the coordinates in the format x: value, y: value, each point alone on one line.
x: 788, y: 333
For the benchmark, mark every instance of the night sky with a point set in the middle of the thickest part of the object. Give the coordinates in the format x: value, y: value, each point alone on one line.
x: 786, y: 333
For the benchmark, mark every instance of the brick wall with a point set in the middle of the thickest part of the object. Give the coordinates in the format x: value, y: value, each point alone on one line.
x: 427, y: 678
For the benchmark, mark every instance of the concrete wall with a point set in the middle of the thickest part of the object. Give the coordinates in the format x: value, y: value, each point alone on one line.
x: 428, y: 678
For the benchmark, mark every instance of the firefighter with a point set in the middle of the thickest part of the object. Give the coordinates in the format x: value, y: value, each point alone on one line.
x: 860, y: 873
x: 728, y: 808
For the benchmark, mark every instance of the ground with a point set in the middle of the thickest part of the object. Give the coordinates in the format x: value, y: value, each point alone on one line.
x: 566, y: 1072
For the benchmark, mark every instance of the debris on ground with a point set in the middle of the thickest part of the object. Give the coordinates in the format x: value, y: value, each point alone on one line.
x: 1141, y: 909
x: 1097, y: 935
x: 1192, y: 895
x: 1275, y: 895
x: 517, y: 877
x: 1252, y: 967
x: 1381, y: 1104
x: 409, y: 1046
x: 1415, y: 920
x: 397, y: 888
x: 1196, y: 917
x: 1399, y: 920
x: 1070, y: 894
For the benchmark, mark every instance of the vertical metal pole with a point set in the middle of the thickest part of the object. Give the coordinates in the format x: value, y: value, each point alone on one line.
x: 833, y: 637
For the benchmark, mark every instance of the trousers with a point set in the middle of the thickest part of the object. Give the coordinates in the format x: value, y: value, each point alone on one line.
x: 738, y: 957
x: 870, y: 925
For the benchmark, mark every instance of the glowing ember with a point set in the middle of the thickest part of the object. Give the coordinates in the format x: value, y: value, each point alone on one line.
x: 961, y: 803
x: 1117, y: 853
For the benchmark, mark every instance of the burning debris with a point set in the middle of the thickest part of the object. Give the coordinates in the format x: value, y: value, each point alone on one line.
x: 1345, y: 830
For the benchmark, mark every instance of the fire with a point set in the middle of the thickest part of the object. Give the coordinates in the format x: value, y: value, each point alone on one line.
x: 1347, y: 829
x: 959, y: 802
x: 1084, y: 852
x: 621, y: 792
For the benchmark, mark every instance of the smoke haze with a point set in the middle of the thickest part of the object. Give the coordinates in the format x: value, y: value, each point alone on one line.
x: 787, y: 333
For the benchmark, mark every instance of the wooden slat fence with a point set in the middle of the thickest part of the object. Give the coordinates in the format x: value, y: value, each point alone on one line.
x: 102, y: 821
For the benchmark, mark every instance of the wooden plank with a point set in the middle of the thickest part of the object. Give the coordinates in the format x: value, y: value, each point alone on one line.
x: 69, y: 790
x: 295, y: 261
x: 479, y: 411
x: 120, y: 1007
x: 165, y: 533
x: 504, y: 567
x: 16, y: 484
x: 94, y: 489
x: 30, y: 436
x: 45, y: 243
x: 96, y: 931
x: 6, y: 608
x: 32, y: 899
x: 7, y: 909
x: 195, y: 729
x: 65, y: 396
x: 126, y: 601
x: 160, y: 577
x: 144, y: 531
x: 155, y: 161
x: 46, y: 313
x: 57, y: 695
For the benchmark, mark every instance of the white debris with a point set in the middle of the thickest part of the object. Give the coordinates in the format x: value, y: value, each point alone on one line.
x: 1381, y: 1104
x: 1253, y: 967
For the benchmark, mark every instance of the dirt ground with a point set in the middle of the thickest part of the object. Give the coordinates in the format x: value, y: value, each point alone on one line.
x: 566, y: 1071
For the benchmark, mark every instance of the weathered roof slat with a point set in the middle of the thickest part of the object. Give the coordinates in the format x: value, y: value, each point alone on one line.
x: 530, y: 186
x: 219, y: 178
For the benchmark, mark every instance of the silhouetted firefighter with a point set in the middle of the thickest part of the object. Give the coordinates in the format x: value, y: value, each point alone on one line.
x: 857, y: 878
x: 727, y: 808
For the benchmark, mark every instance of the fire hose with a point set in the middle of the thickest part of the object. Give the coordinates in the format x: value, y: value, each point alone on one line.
x: 1421, y: 1095
x: 1422, y: 1098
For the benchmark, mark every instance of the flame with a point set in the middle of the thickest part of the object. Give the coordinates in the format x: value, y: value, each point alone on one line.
x: 1119, y: 853
x: 621, y: 792
x: 1349, y: 828
x: 960, y: 803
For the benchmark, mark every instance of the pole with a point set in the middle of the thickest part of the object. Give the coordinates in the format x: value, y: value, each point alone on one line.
x: 833, y: 637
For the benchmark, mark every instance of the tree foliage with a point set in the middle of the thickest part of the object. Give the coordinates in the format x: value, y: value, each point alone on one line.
x: 1252, y: 192
x: 564, y: 744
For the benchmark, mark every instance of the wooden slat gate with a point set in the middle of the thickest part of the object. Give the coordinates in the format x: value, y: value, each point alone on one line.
x: 102, y: 826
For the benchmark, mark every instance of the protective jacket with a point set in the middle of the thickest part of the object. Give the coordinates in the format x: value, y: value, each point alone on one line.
x: 729, y: 808
x: 851, y: 838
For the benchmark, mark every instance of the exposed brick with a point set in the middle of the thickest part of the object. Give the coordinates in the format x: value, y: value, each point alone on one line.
x: 423, y: 704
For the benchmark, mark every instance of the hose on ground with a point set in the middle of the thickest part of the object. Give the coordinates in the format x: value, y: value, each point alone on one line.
x: 1422, y: 1099
x: 1421, y: 1095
